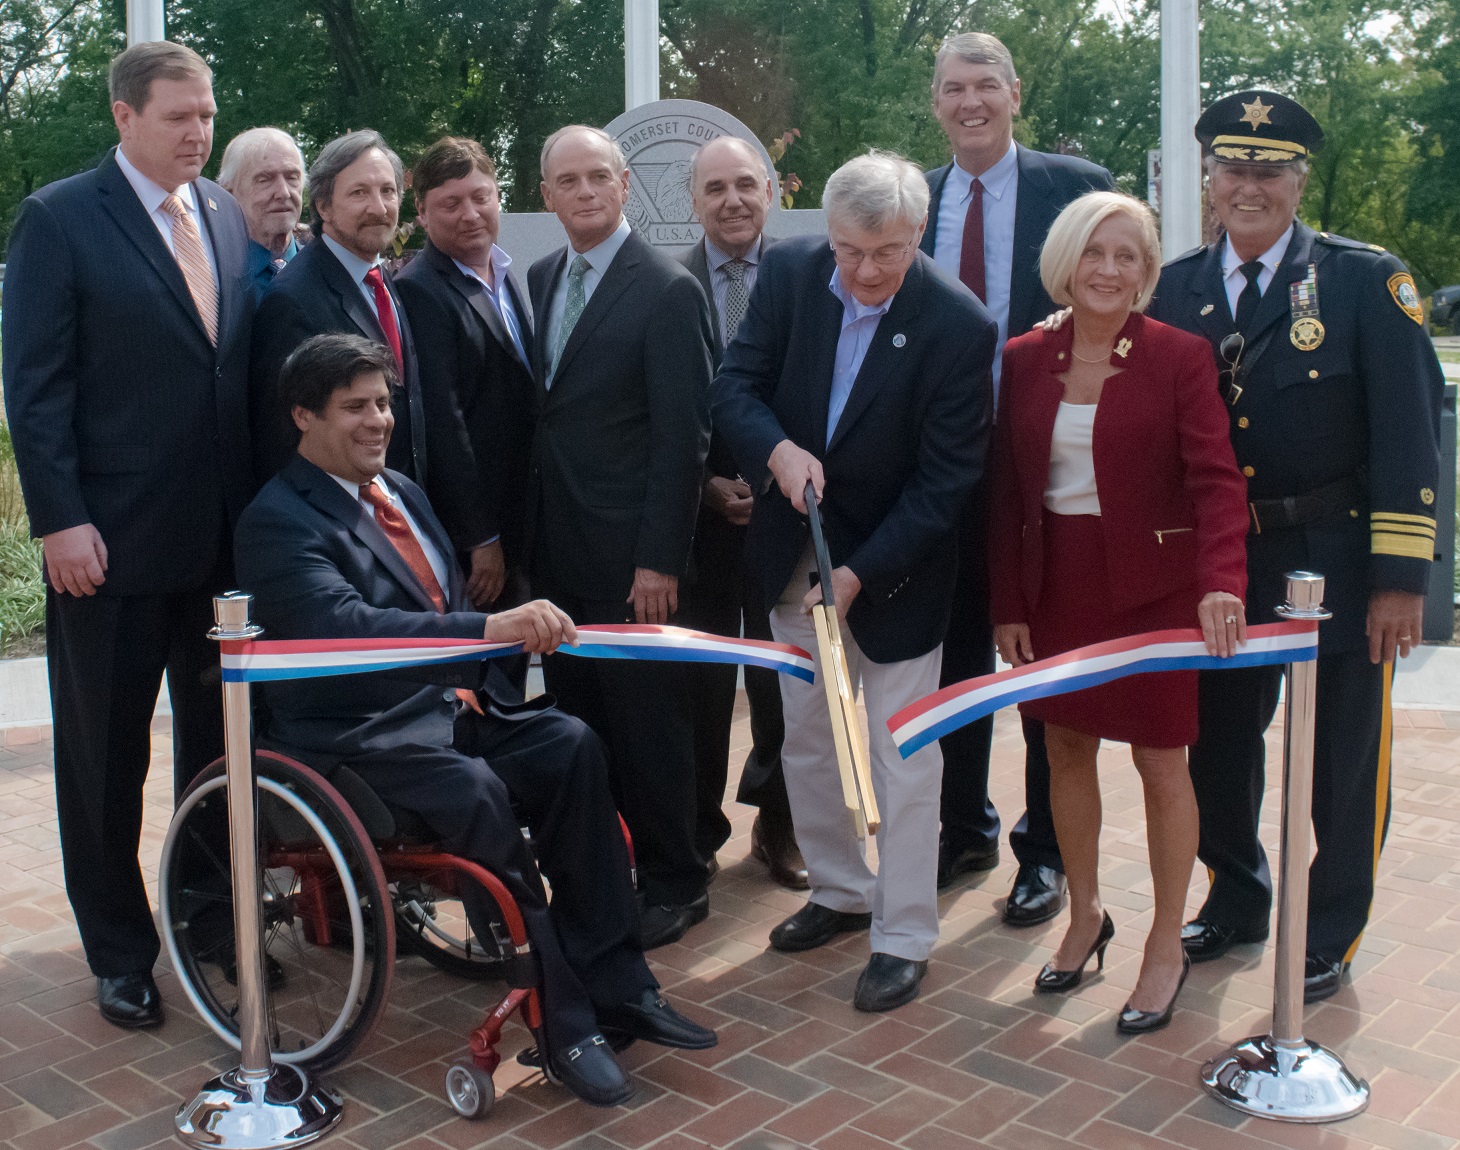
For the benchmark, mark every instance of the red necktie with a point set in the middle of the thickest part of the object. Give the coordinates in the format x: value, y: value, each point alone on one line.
x: 970, y: 260
x: 401, y: 537
x: 386, y: 313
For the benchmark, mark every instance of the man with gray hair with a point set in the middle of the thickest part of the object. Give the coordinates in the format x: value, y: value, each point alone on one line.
x: 263, y: 169
x: 992, y: 206
x: 862, y: 369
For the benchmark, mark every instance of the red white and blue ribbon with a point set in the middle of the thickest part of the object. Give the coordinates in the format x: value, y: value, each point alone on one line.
x: 919, y: 724
x: 265, y: 660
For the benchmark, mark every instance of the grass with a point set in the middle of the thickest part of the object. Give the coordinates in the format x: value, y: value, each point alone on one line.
x: 22, y: 594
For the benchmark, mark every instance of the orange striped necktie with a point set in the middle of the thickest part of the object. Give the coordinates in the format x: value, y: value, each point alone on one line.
x: 404, y: 540
x: 187, y: 247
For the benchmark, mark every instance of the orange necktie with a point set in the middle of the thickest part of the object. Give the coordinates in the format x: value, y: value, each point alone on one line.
x: 404, y: 540
x: 187, y: 248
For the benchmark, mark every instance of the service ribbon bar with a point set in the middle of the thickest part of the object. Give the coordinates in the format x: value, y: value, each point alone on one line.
x: 273, y: 659
x: 917, y: 725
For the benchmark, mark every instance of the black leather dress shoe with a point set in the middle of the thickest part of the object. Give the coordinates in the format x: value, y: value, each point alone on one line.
x: 952, y: 863
x: 815, y: 925
x: 1204, y: 940
x: 773, y: 842
x: 1133, y: 1021
x: 661, y: 925
x: 1322, y: 977
x: 888, y: 982
x: 1037, y: 896
x: 651, y: 1018
x: 591, y: 1072
x: 129, y: 1000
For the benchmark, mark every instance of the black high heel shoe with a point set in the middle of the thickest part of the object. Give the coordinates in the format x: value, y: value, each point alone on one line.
x: 1132, y: 1021
x: 1052, y: 981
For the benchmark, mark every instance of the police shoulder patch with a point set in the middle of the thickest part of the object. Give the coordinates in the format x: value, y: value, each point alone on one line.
x: 1406, y: 295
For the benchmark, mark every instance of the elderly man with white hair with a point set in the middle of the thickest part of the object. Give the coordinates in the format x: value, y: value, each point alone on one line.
x: 862, y: 368
x: 263, y: 168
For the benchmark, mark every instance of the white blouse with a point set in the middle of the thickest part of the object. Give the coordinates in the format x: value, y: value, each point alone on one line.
x: 1071, y: 486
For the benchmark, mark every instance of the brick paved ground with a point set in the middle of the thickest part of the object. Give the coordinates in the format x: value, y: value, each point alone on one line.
x: 977, y: 1061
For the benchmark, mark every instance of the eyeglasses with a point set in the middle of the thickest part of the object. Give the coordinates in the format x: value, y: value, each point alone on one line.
x: 1230, y: 349
x: 884, y: 257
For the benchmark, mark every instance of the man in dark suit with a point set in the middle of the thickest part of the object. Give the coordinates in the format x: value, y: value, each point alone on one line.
x: 1334, y: 394
x: 263, y: 169
x: 994, y: 251
x: 472, y: 334
x: 732, y: 194
x: 339, y: 283
x: 338, y: 547
x: 126, y: 332
x: 844, y: 374
x: 621, y: 356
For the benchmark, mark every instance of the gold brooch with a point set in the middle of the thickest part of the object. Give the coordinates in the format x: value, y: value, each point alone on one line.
x: 1122, y: 349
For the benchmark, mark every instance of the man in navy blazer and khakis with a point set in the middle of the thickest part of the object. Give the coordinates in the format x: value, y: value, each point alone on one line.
x: 126, y: 336
x: 862, y: 369
x: 994, y: 251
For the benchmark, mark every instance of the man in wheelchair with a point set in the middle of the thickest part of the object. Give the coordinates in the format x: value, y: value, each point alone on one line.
x: 337, y: 547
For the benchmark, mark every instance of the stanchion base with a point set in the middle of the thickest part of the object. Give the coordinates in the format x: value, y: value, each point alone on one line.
x: 1301, y: 1082
x: 281, y: 1110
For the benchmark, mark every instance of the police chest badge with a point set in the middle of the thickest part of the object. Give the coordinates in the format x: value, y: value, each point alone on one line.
x: 1406, y: 295
x: 1307, y: 330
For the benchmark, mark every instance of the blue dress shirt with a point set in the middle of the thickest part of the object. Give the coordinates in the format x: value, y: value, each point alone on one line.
x: 261, y: 269
x: 859, y: 325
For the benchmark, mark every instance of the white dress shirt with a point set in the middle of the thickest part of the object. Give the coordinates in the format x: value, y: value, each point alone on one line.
x: 1235, y: 281
x: 859, y: 325
x: 152, y: 195
x: 433, y: 556
x: 1000, y: 195
x: 598, y: 260
x: 501, y: 298
x: 357, y: 270
x: 720, y: 278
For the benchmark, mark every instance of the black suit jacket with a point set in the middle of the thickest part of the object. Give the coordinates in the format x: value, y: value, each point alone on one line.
x: 906, y: 452
x: 621, y: 435
x: 122, y: 413
x: 465, y: 352
x: 319, y: 568
x: 1047, y: 182
x: 314, y: 295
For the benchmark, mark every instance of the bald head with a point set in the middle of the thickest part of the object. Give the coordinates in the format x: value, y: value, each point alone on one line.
x: 264, y: 170
x: 732, y: 193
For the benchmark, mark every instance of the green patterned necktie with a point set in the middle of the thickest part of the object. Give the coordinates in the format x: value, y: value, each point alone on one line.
x: 572, y: 309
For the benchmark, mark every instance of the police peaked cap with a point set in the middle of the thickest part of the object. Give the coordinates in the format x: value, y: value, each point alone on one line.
x: 1258, y: 127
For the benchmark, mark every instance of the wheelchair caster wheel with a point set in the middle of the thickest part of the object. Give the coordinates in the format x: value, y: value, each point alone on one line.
x: 469, y: 1089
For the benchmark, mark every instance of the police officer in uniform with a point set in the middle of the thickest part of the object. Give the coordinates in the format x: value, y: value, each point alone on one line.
x: 1334, y: 394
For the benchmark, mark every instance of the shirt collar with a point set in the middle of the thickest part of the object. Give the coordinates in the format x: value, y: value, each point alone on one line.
x: 995, y: 181
x: 855, y: 309
x: 601, y: 256
x: 716, y: 259
x: 152, y: 194
x: 259, y: 257
x: 353, y: 489
x: 501, y: 261
x: 353, y: 264
x: 1269, y: 259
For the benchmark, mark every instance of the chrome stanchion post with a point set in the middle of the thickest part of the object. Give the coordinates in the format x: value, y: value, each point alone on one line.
x: 1282, y: 1075
x: 257, y: 1105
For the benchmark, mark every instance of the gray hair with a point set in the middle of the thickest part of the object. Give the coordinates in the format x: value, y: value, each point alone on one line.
x: 875, y: 190
x: 745, y: 146
x: 1300, y: 165
x: 975, y: 48
x: 338, y: 155
x: 247, y: 146
x: 615, y: 152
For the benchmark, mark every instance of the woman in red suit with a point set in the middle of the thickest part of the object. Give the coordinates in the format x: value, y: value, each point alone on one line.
x: 1118, y: 509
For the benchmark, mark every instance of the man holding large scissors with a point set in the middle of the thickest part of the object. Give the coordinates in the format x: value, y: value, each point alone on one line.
x: 864, y: 370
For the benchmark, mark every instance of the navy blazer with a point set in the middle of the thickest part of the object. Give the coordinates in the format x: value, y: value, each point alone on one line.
x: 318, y: 567
x: 123, y: 414
x: 467, y: 357
x: 906, y: 452
x: 1047, y: 182
x: 621, y: 436
x: 312, y: 295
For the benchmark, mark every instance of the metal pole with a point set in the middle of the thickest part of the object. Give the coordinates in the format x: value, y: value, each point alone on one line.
x: 641, y: 53
x: 257, y: 1105
x: 144, y: 21
x: 1282, y: 1075
x: 1180, y: 108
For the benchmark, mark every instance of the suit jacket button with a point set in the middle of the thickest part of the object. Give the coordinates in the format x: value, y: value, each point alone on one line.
x: 449, y: 695
x: 1242, y: 423
x: 1249, y: 472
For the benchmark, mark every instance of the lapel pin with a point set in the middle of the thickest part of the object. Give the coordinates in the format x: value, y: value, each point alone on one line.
x: 899, y: 340
x: 1122, y: 349
x: 1211, y: 307
x: 212, y: 203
